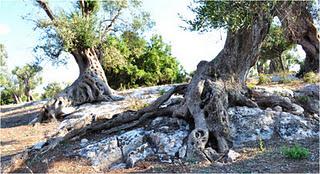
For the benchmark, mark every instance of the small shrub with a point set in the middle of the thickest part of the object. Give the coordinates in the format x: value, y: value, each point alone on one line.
x: 251, y: 86
x: 296, y: 152
x: 311, y: 77
x: 302, y: 99
x: 162, y: 91
x: 264, y: 79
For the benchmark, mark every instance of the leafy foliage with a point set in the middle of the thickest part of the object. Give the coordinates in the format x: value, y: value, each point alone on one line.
x: 135, y: 62
x: 231, y: 15
x: 28, y: 76
x: 9, y: 85
x: 264, y: 79
x: 88, y: 27
x: 311, y: 77
x: 3, y: 56
x: 51, y: 90
x: 276, y: 48
x: 296, y: 152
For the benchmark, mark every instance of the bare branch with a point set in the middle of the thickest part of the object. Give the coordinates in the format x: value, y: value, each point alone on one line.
x: 46, y: 8
x: 109, y: 27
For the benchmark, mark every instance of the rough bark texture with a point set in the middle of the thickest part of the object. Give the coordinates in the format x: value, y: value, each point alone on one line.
x: 299, y: 28
x: 276, y: 65
x: 219, y: 84
x: 90, y: 86
x: 17, y: 98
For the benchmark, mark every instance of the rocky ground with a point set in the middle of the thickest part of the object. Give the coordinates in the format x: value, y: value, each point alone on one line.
x: 259, y: 137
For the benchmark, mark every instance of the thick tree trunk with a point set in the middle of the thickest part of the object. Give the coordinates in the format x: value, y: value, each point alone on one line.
x: 90, y: 86
x: 17, y: 98
x: 28, y: 94
x: 218, y: 84
x: 276, y: 65
x: 299, y: 28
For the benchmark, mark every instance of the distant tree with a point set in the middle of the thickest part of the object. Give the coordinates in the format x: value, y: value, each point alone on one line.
x: 272, y: 48
x: 28, y: 78
x: 140, y: 63
x: 51, y: 90
x: 10, y: 89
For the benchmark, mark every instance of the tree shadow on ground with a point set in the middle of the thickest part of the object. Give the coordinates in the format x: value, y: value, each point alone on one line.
x: 18, y: 118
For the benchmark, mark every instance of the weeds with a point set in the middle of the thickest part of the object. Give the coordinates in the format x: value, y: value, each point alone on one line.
x: 311, y: 77
x: 264, y: 79
x: 261, y: 145
x: 296, y: 152
x: 302, y: 99
x: 251, y: 86
x: 162, y: 91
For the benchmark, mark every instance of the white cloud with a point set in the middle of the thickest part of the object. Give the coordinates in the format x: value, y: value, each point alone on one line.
x: 4, y: 29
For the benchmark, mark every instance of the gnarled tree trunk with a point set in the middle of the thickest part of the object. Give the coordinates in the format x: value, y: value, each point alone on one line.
x: 299, y: 28
x: 219, y: 84
x: 277, y: 65
x: 90, y: 86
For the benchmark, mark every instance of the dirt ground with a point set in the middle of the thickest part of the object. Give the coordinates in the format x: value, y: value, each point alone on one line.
x: 17, y: 135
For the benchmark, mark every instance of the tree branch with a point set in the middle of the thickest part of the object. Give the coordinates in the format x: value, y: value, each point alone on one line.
x: 108, y: 27
x: 46, y: 8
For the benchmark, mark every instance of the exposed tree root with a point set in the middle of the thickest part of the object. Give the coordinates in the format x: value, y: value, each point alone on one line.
x: 126, y: 120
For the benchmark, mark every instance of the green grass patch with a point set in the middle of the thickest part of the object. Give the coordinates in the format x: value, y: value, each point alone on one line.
x: 295, y: 152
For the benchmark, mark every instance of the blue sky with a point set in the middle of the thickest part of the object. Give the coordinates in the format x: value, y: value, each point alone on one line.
x: 189, y: 48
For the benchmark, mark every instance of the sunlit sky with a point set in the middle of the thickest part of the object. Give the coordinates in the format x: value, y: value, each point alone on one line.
x: 189, y: 48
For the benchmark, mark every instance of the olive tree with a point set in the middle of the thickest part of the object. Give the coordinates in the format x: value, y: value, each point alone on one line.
x: 83, y: 33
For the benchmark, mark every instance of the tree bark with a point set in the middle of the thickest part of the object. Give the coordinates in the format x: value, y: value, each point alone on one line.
x: 219, y: 84
x: 90, y: 86
x: 299, y: 28
x: 276, y: 65
x: 17, y: 98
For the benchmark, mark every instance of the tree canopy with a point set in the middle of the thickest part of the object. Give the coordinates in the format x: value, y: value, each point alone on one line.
x: 131, y: 61
x: 87, y: 27
x: 51, y: 90
x: 230, y: 15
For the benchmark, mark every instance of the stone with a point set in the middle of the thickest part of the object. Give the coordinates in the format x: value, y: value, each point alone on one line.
x: 297, y: 110
x: 274, y: 91
x: 39, y: 145
x: 103, y: 154
x: 277, y: 108
x: 232, y: 155
x: 131, y: 140
x: 162, y: 138
x: 293, y: 127
x: 138, y: 154
x: 83, y: 142
x: 182, y: 151
x: 308, y: 98
x: 118, y: 166
x: 252, y: 124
